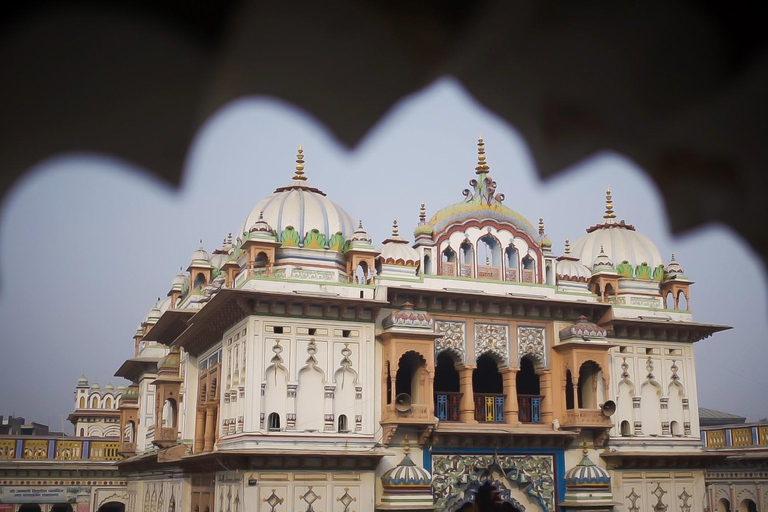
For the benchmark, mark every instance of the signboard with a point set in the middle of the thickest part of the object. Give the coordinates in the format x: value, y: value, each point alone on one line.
x: 28, y: 494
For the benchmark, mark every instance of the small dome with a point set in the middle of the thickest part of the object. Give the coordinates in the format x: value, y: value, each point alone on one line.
x: 95, y: 386
x: 154, y: 314
x: 583, y: 328
x: 620, y: 242
x: 315, y: 221
x: 260, y: 226
x: 587, y: 474
x: 121, y: 387
x: 109, y: 387
x: 200, y: 258
x: 602, y: 262
x: 178, y: 281
x: 361, y: 240
x: 407, y: 474
x: 170, y: 362
x: 569, y: 268
x: 674, y: 267
x: 423, y: 229
x: 82, y: 382
x: 396, y: 250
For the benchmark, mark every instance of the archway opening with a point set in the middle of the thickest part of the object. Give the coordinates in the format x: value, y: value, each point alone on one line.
x: 112, y: 506
x: 528, y: 270
x: 747, y: 505
x: 723, y: 505
x: 568, y: 390
x: 61, y: 507
x: 261, y: 260
x: 169, y: 413
x: 589, y: 382
x: 512, y: 260
x: 682, y: 301
x: 362, y: 273
x: 528, y: 392
x: 427, y: 265
x: 467, y: 259
x: 488, y: 388
x: 29, y: 507
x: 199, y: 281
x: 448, y: 262
x: 407, y: 379
x: 447, y: 386
x: 487, y: 499
x: 488, y: 258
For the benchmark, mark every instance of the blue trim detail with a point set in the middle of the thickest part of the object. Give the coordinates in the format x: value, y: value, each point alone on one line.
x: 19, y: 448
x: 87, y: 449
x: 51, y: 449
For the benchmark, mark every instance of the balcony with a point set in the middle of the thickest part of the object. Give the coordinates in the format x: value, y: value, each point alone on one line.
x: 447, y: 406
x: 489, y: 408
x: 510, y: 274
x: 58, y: 448
x: 465, y: 269
x: 528, y: 275
x: 448, y: 269
x: 529, y: 408
x: 586, y: 418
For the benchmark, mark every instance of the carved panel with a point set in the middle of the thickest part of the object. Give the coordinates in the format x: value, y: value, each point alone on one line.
x: 454, y: 475
x: 531, y: 341
x: 492, y: 339
x: 453, y: 338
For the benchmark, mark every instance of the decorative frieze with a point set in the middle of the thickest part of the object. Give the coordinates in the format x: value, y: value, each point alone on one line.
x: 492, y: 339
x: 452, y: 337
x: 531, y: 342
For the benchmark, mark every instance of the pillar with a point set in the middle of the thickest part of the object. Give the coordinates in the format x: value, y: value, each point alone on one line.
x: 636, y: 416
x: 467, y: 404
x: 210, y: 428
x: 664, y: 406
x: 545, y: 385
x: 199, y: 430
x: 511, y: 416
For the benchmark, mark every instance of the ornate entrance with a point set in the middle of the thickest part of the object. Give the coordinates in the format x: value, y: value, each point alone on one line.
x: 488, y: 497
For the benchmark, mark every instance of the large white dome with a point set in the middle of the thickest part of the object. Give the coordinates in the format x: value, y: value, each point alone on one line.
x: 305, y: 209
x: 619, y: 240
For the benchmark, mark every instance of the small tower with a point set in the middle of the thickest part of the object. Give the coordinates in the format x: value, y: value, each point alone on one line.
x: 424, y: 243
x: 167, y: 387
x: 397, y: 258
x: 407, y: 486
x: 676, y: 283
x: 129, y: 420
x: 259, y: 244
x: 199, y: 270
x: 605, y: 279
x: 360, y: 253
x: 177, y: 288
x: 81, y: 393
x: 587, y: 487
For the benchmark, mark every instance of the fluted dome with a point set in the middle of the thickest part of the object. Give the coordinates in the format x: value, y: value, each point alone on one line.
x: 570, y: 268
x: 154, y: 314
x: 407, y: 475
x: 95, y: 386
x: 200, y: 258
x: 109, y: 387
x: 587, y: 474
x: 620, y: 241
x: 178, y: 281
x: 674, y: 267
x: 397, y: 251
x: 82, y: 381
x: 302, y: 216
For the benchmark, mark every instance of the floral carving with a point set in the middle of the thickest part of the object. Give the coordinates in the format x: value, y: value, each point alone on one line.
x: 493, y: 339
x: 455, y: 476
x: 452, y: 336
x: 530, y: 341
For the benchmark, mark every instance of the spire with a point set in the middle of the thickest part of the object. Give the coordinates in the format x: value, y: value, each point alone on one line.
x: 567, y: 246
x: 673, y: 257
x: 609, y: 205
x: 395, y: 231
x: 406, y: 445
x: 299, y: 175
x: 482, y: 167
x: 423, y: 214
x: 541, y: 226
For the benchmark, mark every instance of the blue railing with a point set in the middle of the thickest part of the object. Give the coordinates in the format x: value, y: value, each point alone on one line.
x: 447, y: 406
x: 489, y: 408
x: 530, y: 408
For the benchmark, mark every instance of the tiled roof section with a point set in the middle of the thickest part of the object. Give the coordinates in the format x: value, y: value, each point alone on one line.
x: 711, y: 417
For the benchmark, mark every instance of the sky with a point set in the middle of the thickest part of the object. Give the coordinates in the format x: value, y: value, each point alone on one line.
x: 89, y: 242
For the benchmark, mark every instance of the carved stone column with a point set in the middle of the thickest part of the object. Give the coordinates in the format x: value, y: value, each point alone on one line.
x: 545, y: 385
x: 467, y: 404
x: 199, y: 430
x: 210, y: 428
x: 511, y: 416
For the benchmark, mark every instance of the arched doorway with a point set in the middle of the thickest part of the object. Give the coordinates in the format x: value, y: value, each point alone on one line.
x: 61, y: 507
x: 528, y: 392
x: 112, y: 506
x: 488, y: 498
x: 447, y: 390
x: 488, y: 388
x: 29, y: 507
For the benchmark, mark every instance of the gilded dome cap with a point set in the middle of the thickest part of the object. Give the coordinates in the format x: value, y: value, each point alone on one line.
x: 302, y: 216
x: 619, y: 240
x: 396, y: 250
x: 407, y: 474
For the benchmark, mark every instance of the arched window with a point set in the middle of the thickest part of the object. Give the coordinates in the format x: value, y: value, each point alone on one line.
x: 427, y: 265
x: 94, y: 403
x: 626, y: 429
x: 169, y: 413
x: 361, y: 273
x: 199, y: 281
x: 449, y: 255
x: 747, y: 505
x: 274, y: 421
x: 261, y: 260
x: 108, y: 403
x: 342, y: 423
x: 528, y: 392
x: 550, y: 278
x: 448, y: 267
x: 467, y: 259
x: 446, y: 389
x: 488, y: 388
x: 488, y: 258
x: 82, y: 432
x: 528, y: 263
x: 682, y: 301
x: 82, y: 402
x: 529, y: 273
x: 676, y: 429
x: 589, y: 384
x: 723, y: 505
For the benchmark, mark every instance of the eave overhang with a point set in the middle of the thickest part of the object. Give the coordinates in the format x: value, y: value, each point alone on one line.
x: 510, y: 304
x: 172, y: 323
x: 662, y: 460
x: 229, y: 306
x: 660, y: 329
x: 132, y: 368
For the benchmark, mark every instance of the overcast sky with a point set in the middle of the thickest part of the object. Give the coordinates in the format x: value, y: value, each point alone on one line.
x: 87, y: 244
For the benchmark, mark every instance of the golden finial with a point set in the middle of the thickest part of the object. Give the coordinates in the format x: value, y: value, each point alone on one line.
x: 422, y: 213
x: 584, y: 448
x: 482, y: 165
x: 609, y: 205
x: 541, y: 226
x: 300, y: 166
x: 395, y: 231
x: 567, y: 246
x: 406, y: 445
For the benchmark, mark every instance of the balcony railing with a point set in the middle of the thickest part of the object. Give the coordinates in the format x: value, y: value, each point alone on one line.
x: 527, y: 275
x: 465, y: 269
x: 529, y: 408
x: 489, y: 408
x: 510, y: 274
x: 58, y: 448
x: 743, y: 436
x: 447, y: 406
x: 448, y: 269
x: 488, y: 272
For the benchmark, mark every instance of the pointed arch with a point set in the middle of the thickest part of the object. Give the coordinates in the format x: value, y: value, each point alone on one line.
x: 310, y: 393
